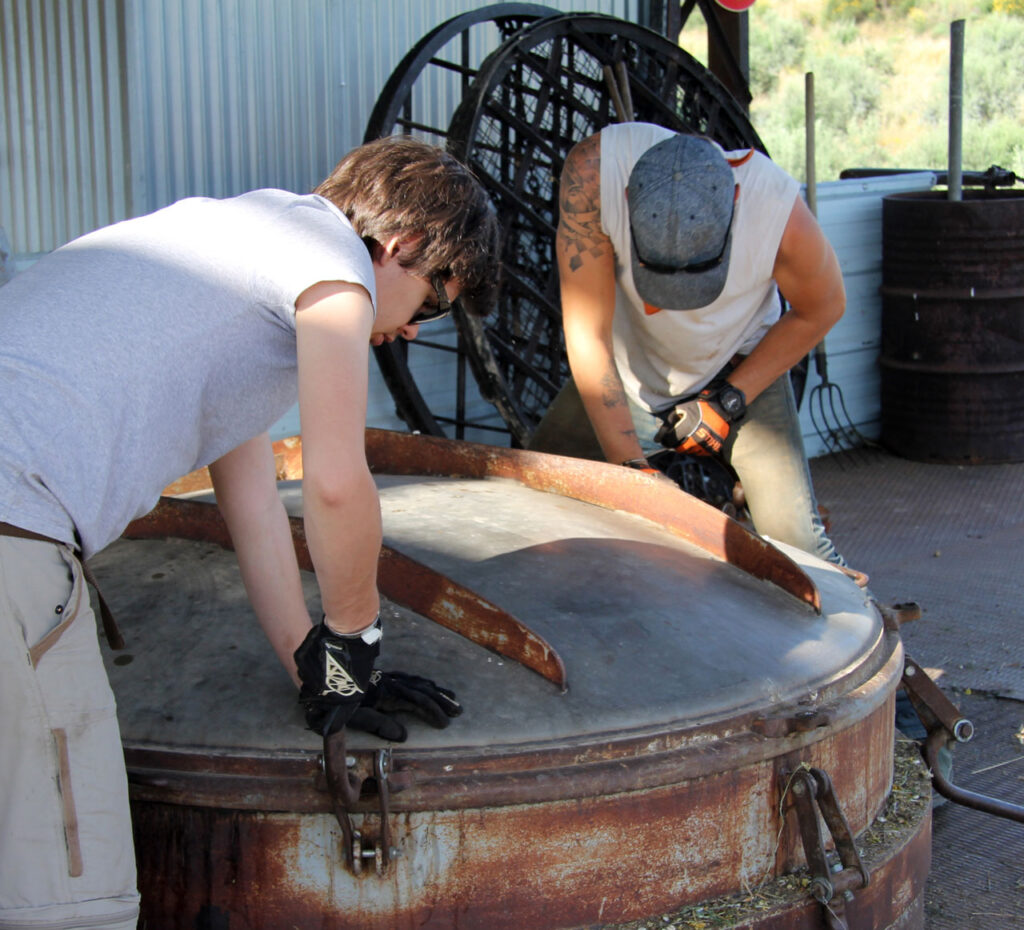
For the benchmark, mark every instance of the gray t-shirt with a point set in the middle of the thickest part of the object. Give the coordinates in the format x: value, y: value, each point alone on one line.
x: 147, y: 349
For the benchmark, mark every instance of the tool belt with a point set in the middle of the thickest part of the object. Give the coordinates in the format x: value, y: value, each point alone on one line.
x: 110, y: 629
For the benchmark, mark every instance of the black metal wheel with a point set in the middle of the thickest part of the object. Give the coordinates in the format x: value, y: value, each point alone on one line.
x: 439, y: 67
x: 551, y: 85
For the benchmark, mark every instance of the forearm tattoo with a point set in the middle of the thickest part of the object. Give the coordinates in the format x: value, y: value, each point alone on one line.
x: 579, y: 205
x: 612, y: 392
x: 613, y: 396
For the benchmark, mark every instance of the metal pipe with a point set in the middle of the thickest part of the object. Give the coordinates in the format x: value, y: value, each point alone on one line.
x: 809, y: 148
x: 979, y: 802
x: 956, y: 109
x: 627, y: 95
x: 991, y: 178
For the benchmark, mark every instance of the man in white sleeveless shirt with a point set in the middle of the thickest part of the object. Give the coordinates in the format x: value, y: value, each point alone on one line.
x: 156, y: 346
x: 671, y: 254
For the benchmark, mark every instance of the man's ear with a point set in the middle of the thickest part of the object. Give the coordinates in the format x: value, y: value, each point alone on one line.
x: 389, y: 250
x: 395, y: 245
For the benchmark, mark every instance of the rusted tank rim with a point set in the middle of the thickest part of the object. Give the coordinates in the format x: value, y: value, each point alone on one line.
x: 429, y: 779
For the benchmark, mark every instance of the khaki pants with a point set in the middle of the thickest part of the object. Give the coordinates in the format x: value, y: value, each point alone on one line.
x: 66, y: 854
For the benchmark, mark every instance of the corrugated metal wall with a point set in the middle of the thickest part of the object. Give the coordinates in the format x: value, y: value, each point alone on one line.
x: 231, y: 96
x: 114, y: 108
x: 63, y: 120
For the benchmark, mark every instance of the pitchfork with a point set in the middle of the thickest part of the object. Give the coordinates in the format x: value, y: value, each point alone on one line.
x: 828, y: 409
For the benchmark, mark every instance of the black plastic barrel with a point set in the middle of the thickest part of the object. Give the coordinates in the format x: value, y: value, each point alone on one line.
x: 953, y: 326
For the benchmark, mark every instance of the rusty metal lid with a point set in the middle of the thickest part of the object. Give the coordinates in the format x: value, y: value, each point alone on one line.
x: 668, y: 651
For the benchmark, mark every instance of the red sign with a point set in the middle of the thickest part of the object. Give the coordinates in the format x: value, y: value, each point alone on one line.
x: 737, y: 6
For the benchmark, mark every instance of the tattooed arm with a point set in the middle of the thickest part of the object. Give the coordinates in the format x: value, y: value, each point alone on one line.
x: 586, y: 269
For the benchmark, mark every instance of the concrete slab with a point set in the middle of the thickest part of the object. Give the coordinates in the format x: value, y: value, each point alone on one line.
x: 949, y: 537
x: 952, y: 539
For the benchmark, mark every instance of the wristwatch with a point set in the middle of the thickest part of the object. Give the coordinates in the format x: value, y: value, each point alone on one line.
x: 733, y: 401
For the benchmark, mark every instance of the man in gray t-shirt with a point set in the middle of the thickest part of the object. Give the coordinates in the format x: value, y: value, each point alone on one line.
x: 159, y: 345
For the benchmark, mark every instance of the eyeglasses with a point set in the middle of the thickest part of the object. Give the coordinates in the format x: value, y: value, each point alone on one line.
x: 432, y: 313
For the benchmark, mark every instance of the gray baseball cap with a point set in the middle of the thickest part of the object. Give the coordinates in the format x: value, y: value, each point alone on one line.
x: 681, y: 198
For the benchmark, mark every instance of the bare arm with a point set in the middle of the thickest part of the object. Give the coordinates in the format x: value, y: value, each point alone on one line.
x: 340, y: 504
x: 586, y: 269
x: 808, y: 275
x: 246, y: 489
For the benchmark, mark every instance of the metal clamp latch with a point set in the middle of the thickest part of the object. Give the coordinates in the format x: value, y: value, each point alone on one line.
x: 345, y: 787
x: 932, y: 706
x: 831, y: 886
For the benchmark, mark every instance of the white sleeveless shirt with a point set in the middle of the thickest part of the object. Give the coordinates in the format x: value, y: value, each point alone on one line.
x: 666, y: 355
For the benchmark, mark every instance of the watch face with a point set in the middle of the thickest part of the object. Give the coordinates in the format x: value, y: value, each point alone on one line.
x: 731, y: 401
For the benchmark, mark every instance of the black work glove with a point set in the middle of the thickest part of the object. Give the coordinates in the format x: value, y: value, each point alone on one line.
x: 335, y: 674
x: 395, y: 692
x: 699, y: 426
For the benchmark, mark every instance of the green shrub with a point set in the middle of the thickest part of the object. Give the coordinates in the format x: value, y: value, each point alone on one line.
x: 847, y: 90
x: 882, y: 88
x: 775, y: 46
x: 844, y: 32
x: 993, y: 68
x: 919, y: 21
x: 999, y: 142
x: 856, y: 10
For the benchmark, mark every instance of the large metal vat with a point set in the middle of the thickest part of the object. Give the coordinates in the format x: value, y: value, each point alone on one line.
x: 705, y: 670
x: 953, y: 326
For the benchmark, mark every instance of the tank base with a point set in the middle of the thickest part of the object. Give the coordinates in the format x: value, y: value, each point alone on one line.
x: 896, y: 849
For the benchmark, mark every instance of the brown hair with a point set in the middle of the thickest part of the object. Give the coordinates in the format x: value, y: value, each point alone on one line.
x: 400, y: 187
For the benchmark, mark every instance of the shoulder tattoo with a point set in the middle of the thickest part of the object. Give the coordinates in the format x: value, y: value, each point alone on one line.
x: 579, y: 204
